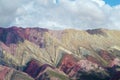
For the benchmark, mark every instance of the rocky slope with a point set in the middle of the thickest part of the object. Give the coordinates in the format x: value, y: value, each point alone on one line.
x: 61, y: 54
x: 7, y: 73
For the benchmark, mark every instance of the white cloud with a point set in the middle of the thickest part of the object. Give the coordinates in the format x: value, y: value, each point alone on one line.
x: 99, y: 2
x: 8, y: 10
x: 60, y: 14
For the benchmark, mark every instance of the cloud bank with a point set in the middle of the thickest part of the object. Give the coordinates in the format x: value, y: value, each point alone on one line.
x: 59, y: 14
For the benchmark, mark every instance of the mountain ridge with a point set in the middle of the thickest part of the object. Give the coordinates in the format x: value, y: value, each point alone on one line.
x: 71, y: 52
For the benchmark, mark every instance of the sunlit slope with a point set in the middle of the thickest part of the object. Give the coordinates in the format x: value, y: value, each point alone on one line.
x: 77, y: 42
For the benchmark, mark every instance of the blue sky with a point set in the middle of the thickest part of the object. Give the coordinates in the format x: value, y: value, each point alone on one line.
x: 112, y: 2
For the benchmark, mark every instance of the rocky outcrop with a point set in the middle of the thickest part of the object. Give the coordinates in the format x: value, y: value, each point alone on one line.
x: 3, y: 72
x: 43, y: 71
x: 14, y: 35
x: 33, y: 68
x: 7, y: 73
x: 115, y: 62
x: 97, y: 32
x: 10, y: 35
x: 70, y: 65
x: 93, y: 60
x: 106, y: 55
x: 67, y: 63
x: 83, y: 65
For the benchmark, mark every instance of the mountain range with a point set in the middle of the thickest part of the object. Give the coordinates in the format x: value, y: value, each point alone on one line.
x: 70, y: 54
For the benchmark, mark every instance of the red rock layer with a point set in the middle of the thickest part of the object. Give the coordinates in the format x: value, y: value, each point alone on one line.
x: 35, y: 68
x: 14, y: 35
x: 67, y: 63
x: 3, y: 72
x: 106, y: 55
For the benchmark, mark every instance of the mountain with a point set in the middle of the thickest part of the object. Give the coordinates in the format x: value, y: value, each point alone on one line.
x: 69, y: 54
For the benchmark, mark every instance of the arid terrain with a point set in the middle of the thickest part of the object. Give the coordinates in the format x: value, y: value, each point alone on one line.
x: 43, y: 54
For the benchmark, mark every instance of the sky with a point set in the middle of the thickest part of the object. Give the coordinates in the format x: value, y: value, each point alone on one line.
x: 60, y: 14
x: 112, y: 2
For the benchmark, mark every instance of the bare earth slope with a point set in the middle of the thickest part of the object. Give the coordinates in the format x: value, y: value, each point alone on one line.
x: 61, y: 54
